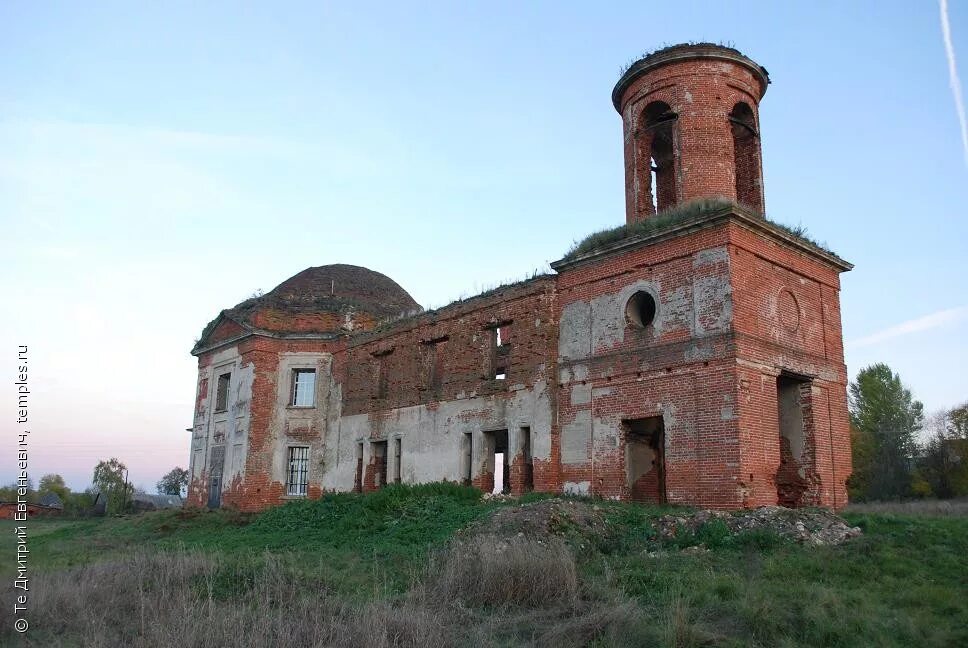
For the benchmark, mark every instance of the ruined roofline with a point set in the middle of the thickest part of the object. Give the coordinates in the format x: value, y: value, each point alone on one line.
x: 702, y: 220
x: 390, y: 326
x: 250, y: 331
x: 451, y: 310
x: 686, y: 52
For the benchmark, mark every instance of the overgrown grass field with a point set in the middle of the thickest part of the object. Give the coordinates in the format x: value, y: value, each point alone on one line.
x: 418, y: 566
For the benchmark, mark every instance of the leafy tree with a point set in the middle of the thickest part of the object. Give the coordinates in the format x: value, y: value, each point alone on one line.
x: 957, y: 422
x: 173, y: 482
x: 943, y: 461
x: 79, y: 503
x: 111, y: 479
x: 862, y: 449
x: 883, y: 408
x: 10, y: 492
x: 54, y: 483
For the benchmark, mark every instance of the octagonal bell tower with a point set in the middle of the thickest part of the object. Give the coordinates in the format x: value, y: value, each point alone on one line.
x: 691, y: 128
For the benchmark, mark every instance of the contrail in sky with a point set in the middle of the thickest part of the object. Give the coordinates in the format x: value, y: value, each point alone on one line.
x: 917, y: 325
x: 955, y: 83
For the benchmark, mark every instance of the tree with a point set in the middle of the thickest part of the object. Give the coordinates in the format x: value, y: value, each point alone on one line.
x: 883, y: 408
x: 173, y: 482
x: 111, y: 480
x: 943, y: 460
x: 54, y: 483
x: 862, y: 451
x: 11, y: 492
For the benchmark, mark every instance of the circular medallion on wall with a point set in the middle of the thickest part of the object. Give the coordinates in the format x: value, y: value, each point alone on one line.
x: 788, y: 310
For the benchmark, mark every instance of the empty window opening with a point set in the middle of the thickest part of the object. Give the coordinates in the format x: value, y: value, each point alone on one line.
x: 397, y: 452
x: 466, y: 463
x: 640, y: 309
x: 645, y: 459
x: 433, y: 363
x: 222, y: 392
x: 659, y: 134
x: 791, y: 476
x: 527, y: 462
x: 746, y: 157
x: 297, y: 481
x: 358, y: 481
x: 378, y: 461
x: 502, y: 335
x: 500, y: 351
x: 496, y: 469
x: 303, y: 388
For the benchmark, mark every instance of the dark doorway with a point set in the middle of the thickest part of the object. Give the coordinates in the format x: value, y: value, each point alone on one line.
x: 497, y: 461
x: 645, y: 459
x: 214, y: 491
x: 791, y: 482
x: 379, y: 461
x: 216, y: 464
x: 527, y: 472
x: 397, y: 456
x: 358, y: 482
x: 466, y: 459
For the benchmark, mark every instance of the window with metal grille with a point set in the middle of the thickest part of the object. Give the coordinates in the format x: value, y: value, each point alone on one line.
x: 303, y: 388
x: 222, y: 392
x: 298, y: 481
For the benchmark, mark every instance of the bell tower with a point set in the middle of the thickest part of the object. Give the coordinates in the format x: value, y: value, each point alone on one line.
x: 690, y: 117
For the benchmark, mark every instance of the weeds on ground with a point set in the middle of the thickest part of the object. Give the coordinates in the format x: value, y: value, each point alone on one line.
x: 209, y: 580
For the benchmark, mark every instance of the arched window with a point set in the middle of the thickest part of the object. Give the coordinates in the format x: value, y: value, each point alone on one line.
x: 746, y: 157
x: 657, y: 136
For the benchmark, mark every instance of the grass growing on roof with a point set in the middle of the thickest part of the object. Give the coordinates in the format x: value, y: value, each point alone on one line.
x: 668, y: 219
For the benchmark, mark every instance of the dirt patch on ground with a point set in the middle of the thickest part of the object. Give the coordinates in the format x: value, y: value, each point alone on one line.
x: 550, y: 517
x: 814, y: 527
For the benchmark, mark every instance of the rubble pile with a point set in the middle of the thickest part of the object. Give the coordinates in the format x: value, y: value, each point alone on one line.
x: 815, y: 527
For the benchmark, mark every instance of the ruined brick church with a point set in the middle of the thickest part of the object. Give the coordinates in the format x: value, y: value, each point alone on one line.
x: 693, y: 356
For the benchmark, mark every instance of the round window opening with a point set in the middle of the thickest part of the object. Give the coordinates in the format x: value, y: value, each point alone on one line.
x: 640, y: 309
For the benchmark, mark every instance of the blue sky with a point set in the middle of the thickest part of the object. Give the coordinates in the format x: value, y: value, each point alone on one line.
x: 160, y: 162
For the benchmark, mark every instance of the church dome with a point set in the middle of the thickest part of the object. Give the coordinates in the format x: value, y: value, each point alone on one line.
x: 325, y: 300
x: 341, y: 284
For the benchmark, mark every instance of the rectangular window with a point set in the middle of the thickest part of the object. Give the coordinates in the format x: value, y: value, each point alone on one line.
x: 303, y: 388
x: 433, y: 360
x: 297, y: 482
x: 500, y: 351
x: 222, y: 392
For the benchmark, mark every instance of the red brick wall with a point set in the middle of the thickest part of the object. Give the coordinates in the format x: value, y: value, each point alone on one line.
x: 737, y: 309
x: 710, y: 365
x: 681, y: 367
x: 787, y: 317
x: 463, y: 336
x: 703, y: 93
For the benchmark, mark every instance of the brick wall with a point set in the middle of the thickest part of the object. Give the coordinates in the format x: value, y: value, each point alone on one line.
x: 702, y: 92
x: 702, y: 366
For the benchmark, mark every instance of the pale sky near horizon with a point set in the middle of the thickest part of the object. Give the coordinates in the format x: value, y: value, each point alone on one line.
x: 161, y: 162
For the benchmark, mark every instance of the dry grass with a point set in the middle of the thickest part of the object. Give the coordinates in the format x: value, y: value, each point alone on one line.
x: 169, y: 599
x: 485, y: 592
x: 951, y: 507
x: 488, y: 570
x: 512, y: 581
